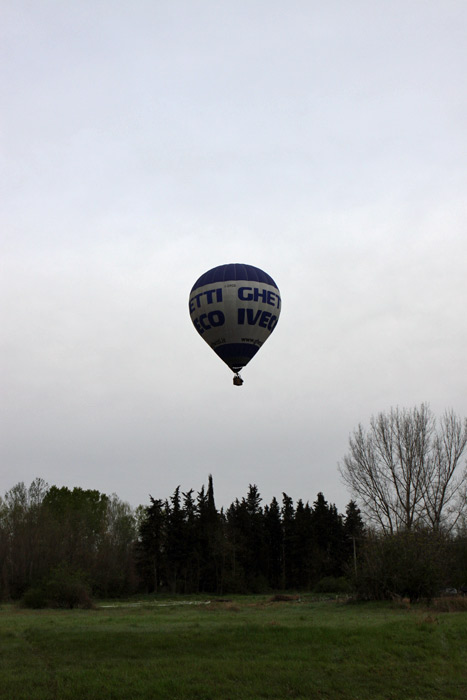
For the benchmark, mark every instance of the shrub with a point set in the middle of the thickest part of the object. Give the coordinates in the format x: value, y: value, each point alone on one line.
x: 409, y: 564
x: 67, y: 588
x: 64, y: 588
x: 34, y: 598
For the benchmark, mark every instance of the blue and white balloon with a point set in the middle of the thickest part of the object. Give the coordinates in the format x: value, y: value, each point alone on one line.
x: 235, y: 308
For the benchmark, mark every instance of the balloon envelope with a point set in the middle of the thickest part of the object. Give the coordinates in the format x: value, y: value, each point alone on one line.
x: 235, y: 308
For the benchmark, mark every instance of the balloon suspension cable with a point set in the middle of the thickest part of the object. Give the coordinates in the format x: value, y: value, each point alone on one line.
x: 237, y: 380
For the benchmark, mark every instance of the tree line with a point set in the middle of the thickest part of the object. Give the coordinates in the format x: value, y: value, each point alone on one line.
x: 186, y: 545
x: 404, y: 533
x: 182, y: 544
x: 82, y: 533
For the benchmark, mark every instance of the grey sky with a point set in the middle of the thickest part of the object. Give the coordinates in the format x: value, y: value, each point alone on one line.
x: 143, y: 143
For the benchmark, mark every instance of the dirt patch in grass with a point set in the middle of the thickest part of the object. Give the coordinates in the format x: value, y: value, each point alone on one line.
x: 449, y: 604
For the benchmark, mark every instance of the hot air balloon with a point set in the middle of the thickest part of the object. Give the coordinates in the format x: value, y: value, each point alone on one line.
x: 235, y: 308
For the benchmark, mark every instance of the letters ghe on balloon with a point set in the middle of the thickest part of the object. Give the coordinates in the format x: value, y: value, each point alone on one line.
x: 255, y: 294
x: 228, y: 300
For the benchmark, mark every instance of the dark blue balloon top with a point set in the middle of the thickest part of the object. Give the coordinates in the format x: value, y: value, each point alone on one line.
x: 234, y: 271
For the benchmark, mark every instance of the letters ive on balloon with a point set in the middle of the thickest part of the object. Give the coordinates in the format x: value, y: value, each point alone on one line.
x: 213, y: 319
x: 264, y: 319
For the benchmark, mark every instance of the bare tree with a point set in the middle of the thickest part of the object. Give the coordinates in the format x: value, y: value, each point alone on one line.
x: 404, y: 471
x: 445, y: 491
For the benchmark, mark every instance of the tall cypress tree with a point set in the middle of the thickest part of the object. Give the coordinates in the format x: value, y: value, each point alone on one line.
x: 246, y: 538
x: 209, y: 540
x: 302, y: 546
x: 328, y: 538
x: 288, y: 530
x: 353, y: 534
x: 151, y: 552
x: 190, y: 565
x: 176, y: 544
x: 235, y: 546
x: 274, y: 540
x: 255, y: 539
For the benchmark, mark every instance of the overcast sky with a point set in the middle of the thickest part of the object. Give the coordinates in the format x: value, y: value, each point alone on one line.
x: 145, y: 142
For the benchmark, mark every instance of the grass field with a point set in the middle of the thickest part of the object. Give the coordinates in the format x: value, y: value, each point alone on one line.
x: 247, y: 648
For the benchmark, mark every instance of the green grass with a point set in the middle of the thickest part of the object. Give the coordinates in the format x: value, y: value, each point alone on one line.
x: 247, y: 649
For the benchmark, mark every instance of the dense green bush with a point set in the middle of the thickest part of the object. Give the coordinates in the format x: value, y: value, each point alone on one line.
x: 411, y: 564
x: 34, y: 598
x: 64, y: 588
x: 68, y: 588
